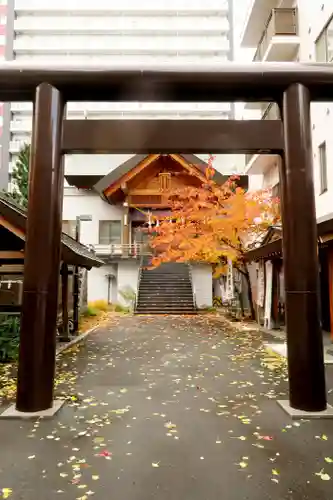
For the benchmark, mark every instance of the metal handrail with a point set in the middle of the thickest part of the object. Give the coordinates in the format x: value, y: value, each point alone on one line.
x: 138, y: 282
x: 133, y: 250
x: 273, y: 28
x: 193, y: 287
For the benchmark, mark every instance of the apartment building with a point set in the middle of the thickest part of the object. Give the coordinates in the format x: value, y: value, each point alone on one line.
x: 295, y: 31
x: 272, y: 30
x: 3, y: 29
x: 118, y: 32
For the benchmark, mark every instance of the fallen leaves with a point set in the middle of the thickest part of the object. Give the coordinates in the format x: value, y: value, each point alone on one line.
x: 6, y: 492
x: 323, y: 475
x: 229, y: 399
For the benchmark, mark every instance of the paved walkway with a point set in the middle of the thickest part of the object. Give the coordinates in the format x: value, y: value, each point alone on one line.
x: 169, y: 409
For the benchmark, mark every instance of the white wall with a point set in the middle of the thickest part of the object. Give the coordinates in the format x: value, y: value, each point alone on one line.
x: 255, y: 182
x: 98, y: 283
x: 85, y: 203
x: 128, y: 273
x: 312, y: 18
x: 271, y: 177
x: 202, y: 284
x: 100, y: 164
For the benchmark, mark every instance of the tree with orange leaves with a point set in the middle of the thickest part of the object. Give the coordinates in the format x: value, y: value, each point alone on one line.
x: 214, y: 224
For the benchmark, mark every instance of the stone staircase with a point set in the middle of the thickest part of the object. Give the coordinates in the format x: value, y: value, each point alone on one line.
x: 166, y: 289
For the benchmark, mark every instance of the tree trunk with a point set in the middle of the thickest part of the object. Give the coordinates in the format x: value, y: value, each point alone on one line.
x: 249, y: 292
x: 245, y: 272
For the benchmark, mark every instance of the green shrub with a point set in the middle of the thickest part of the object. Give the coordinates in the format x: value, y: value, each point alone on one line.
x: 90, y: 311
x: 128, y: 295
x: 100, y: 305
x: 120, y: 308
x: 9, y: 338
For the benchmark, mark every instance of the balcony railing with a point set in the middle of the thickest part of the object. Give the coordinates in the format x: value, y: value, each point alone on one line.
x: 118, y: 250
x: 270, y: 113
x: 281, y: 22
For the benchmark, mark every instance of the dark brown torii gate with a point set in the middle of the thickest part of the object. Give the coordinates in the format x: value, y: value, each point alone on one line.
x: 292, y: 86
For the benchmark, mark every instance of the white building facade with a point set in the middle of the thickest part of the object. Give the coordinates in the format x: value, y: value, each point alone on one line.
x: 294, y: 30
x: 119, y: 32
x: 290, y: 30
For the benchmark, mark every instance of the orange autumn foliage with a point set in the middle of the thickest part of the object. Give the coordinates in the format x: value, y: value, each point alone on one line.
x: 213, y: 223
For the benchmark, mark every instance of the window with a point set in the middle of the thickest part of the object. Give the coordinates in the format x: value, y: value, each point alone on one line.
x: 324, y: 44
x: 323, y: 167
x: 109, y: 232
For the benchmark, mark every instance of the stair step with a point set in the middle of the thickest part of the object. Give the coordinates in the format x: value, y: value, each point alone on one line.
x: 166, y: 307
x: 146, y: 295
x: 176, y: 313
x: 165, y: 278
x: 156, y: 286
x: 169, y: 285
x: 165, y: 303
x: 166, y: 289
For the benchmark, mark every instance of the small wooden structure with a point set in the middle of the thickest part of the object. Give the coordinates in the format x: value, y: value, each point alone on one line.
x: 271, y: 248
x: 12, y: 253
x: 291, y: 86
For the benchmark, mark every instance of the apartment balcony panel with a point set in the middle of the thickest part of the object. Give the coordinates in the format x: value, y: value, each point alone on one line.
x: 280, y: 40
x: 256, y: 18
x: 16, y: 146
x: 49, y: 57
x: 112, y: 25
x: 120, y: 44
x: 132, y: 7
x: 259, y: 163
x: 21, y: 126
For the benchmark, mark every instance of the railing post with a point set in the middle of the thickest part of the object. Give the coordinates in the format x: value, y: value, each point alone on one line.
x: 42, y: 255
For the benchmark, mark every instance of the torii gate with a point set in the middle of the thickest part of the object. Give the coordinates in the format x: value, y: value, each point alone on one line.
x: 292, y: 86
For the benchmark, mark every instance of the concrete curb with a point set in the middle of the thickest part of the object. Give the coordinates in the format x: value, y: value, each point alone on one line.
x: 76, y: 340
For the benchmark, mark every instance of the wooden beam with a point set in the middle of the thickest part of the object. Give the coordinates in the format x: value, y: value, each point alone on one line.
x: 11, y: 228
x: 172, y: 136
x: 11, y: 268
x: 150, y: 205
x: 222, y: 82
x: 9, y: 255
x: 145, y: 192
x: 111, y: 189
x: 192, y: 170
x: 64, y: 301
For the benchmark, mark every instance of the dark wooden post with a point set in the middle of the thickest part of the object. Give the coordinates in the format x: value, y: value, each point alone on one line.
x: 42, y: 255
x: 304, y: 336
x: 64, y: 302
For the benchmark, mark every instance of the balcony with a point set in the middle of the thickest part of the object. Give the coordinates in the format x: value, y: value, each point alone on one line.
x: 122, y: 251
x: 15, y: 146
x: 120, y: 25
x: 280, y: 40
x: 256, y: 18
x: 129, y: 7
x: 22, y: 126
